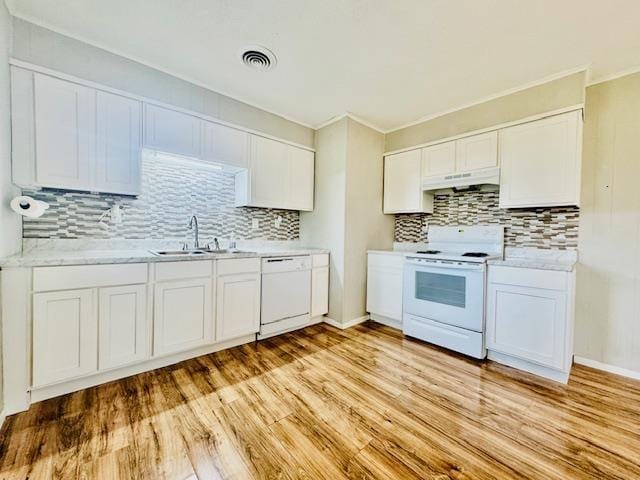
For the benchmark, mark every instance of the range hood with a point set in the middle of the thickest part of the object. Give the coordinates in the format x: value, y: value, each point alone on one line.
x: 462, y: 179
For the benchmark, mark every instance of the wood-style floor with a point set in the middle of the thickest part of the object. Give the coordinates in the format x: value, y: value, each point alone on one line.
x: 328, y: 404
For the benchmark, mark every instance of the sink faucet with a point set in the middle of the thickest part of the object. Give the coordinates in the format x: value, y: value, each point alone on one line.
x: 193, y: 223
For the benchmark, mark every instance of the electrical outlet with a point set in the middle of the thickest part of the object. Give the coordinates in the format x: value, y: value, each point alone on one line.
x: 255, y: 224
x: 278, y: 221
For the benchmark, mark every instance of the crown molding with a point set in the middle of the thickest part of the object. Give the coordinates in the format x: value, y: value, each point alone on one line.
x: 503, y: 93
x: 614, y: 76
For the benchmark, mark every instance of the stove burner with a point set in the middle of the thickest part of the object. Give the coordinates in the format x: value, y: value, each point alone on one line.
x: 475, y: 254
x: 429, y: 252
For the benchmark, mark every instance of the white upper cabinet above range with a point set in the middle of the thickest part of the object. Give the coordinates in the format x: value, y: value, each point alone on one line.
x: 403, y: 184
x: 170, y: 131
x: 439, y: 159
x: 279, y: 176
x: 540, y: 162
x: 477, y: 151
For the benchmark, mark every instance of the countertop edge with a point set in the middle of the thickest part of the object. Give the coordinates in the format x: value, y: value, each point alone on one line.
x: 141, y: 257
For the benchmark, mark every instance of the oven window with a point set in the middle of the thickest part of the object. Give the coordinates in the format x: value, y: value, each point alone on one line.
x: 441, y: 288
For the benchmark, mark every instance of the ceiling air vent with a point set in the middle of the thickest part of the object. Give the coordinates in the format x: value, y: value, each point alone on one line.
x: 258, y: 58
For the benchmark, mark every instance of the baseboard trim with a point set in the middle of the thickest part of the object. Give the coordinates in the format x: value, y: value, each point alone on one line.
x: 520, y: 364
x: 389, y: 322
x: 345, y: 325
x: 57, y: 389
x: 625, y: 372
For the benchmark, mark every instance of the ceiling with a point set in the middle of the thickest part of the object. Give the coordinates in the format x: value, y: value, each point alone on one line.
x: 388, y: 62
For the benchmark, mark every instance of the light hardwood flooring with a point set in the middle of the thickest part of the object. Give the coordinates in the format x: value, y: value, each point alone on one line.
x: 328, y: 404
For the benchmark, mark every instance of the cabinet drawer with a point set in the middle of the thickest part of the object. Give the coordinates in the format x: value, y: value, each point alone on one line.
x: 321, y: 260
x: 183, y: 270
x: 528, y: 277
x: 88, y: 276
x: 232, y: 266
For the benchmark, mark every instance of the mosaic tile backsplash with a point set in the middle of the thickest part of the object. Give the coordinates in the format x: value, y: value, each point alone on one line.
x: 554, y: 227
x: 171, y: 193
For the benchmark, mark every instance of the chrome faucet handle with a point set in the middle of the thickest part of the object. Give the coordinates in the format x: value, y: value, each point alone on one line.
x: 184, y: 245
x: 215, y: 241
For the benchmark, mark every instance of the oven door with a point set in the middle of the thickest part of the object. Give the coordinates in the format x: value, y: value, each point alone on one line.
x: 450, y: 293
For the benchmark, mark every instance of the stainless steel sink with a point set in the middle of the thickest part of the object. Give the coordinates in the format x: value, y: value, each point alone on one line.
x: 177, y: 253
x: 187, y: 253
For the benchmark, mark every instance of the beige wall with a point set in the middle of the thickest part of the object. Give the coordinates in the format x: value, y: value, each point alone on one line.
x: 608, y: 286
x: 347, y: 217
x: 325, y: 226
x: 563, y: 92
x: 367, y: 228
x: 44, y: 47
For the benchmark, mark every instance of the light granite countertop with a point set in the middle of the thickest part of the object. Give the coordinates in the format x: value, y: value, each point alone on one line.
x: 42, y: 256
x: 537, y: 258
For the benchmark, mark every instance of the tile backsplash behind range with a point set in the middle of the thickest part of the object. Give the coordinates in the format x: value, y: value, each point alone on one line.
x: 553, y: 227
x: 171, y: 193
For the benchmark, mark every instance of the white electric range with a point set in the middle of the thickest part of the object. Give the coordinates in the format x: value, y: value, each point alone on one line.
x: 444, y: 287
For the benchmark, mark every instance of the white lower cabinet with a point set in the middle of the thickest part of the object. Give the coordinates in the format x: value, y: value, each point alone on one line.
x: 530, y: 319
x: 384, y: 288
x: 65, y: 337
x: 238, y: 305
x: 319, y: 291
x: 124, y: 334
x: 183, y: 315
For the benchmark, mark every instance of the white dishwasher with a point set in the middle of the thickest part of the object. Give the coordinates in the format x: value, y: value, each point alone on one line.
x: 286, y: 294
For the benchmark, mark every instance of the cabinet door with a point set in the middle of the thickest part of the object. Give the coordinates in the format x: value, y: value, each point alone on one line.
x: 269, y: 173
x: 439, y: 159
x: 477, y: 151
x: 540, y: 162
x: 65, y: 336
x: 170, y: 131
x: 384, y: 290
x: 301, y: 178
x: 403, y: 182
x: 64, y: 132
x: 183, y: 315
x: 528, y: 323
x: 225, y: 145
x: 319, y: 291
x: 237, y: 305
x: 118, y: 144
x: 124, y: 328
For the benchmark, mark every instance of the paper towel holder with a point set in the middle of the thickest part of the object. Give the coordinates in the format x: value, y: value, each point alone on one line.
x: 28, y: 206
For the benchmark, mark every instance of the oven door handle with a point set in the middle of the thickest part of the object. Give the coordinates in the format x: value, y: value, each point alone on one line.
x: 446, y: 266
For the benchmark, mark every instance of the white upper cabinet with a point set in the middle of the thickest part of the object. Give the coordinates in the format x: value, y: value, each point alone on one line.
x: 439, y: 159
x: 540, y: 162
x: 118, y: 144
x: 301, y: 177
x: 279, y: 176
x: 64, y: 133
x: 477, y: 151
x: 170, y: 131
x: 73, y: 137
x: 225, y: 145
x: 403, y: 184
